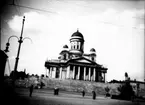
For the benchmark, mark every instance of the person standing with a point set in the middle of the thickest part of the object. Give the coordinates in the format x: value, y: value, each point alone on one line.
x: 83, y: 93
x: 31, y: 90
x: 94, y: 95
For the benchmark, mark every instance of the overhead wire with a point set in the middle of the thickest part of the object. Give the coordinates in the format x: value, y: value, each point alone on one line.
x: 19, y: 11
x: 42, y: 10
x: 105, y: 22
x: 14, y: 5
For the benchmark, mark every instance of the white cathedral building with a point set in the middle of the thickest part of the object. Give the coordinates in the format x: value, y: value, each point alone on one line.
x: 74, y: 64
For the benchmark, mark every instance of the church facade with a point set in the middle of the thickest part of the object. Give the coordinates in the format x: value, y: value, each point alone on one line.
x: 74, y: 64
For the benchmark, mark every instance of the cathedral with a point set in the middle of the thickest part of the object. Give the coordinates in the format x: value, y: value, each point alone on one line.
x: 74, y: 64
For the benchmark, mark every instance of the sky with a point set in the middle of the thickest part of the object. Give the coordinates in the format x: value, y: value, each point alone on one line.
x: 115, y: 28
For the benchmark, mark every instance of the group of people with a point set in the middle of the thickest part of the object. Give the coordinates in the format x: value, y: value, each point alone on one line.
x: 93, y: 94
x: 56, y: 91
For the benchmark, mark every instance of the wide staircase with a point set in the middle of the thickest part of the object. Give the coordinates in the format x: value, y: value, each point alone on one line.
x: 79, y: 85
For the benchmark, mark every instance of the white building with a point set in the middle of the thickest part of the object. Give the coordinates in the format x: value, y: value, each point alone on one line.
x: 73, y: 63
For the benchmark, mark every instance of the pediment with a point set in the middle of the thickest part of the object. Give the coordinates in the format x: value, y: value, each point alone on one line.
x: 81, y: 60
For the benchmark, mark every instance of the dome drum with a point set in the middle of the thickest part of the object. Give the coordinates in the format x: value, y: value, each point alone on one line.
x: 76, y: 51
x: 76, y: 39
x: 77, y: 43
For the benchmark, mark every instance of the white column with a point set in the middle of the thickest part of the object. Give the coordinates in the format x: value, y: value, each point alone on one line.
x: 84, y: 73
x: 68, y: 72
x: 78, y: 72
x: 76, y: 45
x: 71, y: 45
x: 73, y: 72
x: 60, y: 73
x: 54, y: 72
x: 89, y: 74
x: 98, y: 77
x: 50, y: 73
x: 104, y: 77
x: 94, y: 75
x: 46, y: 72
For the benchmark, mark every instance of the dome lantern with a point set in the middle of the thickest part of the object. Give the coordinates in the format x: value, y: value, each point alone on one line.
x: 77, y: 43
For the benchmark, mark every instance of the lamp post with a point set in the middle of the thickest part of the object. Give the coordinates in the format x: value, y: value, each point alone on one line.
x: 20, y: 41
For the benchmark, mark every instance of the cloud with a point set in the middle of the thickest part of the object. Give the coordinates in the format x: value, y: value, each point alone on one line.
x: 15, y: 23
x: 109, y: 32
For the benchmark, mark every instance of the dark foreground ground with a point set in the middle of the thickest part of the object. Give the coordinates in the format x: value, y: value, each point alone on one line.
x: 20, y: 96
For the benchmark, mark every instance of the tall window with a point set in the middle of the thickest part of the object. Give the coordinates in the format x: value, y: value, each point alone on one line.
x: 93, y: 59
x: 77, y: 46
x: 72, y: 45
x: 79, y: 43
x: 64, y: 56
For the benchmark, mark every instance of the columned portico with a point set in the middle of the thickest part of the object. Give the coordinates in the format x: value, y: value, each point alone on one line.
x: 78, y: 72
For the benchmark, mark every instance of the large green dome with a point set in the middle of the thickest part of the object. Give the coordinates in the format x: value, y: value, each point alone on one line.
x: 77, y: 34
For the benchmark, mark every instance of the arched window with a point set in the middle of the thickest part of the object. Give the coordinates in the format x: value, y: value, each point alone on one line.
x: 93, y: 59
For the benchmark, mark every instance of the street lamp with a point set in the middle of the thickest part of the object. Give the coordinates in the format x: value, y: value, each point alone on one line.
x: 20, y: 41
x: 8, y: 44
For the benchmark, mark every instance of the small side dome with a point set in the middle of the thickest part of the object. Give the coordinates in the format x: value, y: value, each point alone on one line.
x: 64, y: 49
x: 92, y: 50
x: 65, y: 46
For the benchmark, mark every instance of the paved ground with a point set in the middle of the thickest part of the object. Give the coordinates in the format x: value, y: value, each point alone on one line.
x: 46, y: 97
